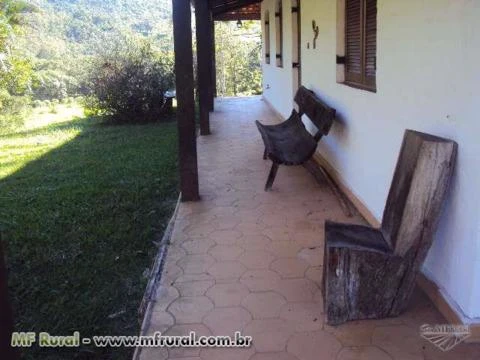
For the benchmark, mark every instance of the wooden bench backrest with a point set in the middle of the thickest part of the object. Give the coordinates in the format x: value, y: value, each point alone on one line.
x: 419, y: 186
x: 317, y: 111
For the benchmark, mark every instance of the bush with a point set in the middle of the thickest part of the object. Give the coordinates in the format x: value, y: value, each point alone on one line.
x: 50, y: 84
x: 128, y: 84
x: 37, y: 104
x: 52, y: 109
x: 13, y: 110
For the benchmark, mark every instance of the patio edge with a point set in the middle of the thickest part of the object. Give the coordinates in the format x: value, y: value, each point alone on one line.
x: 148, y: 301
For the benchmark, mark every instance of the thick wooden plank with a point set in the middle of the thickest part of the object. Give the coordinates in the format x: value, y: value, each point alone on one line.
x: 182, y: 32
x: 203, y: 27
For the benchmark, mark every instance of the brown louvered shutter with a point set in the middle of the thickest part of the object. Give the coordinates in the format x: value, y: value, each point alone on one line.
x: 267, y: 37
x: 361, y: 43
x: 370, y: 42
x: 353, y: 41
x: 279, y: 33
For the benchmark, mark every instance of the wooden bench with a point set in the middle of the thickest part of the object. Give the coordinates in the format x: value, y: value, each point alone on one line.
x: 370, y: 273
x: 289, y: 143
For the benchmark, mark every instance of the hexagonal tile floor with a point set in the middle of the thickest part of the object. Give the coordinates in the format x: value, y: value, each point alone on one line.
x: 250, y: 261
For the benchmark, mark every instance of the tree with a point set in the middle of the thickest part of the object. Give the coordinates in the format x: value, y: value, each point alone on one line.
x: 128, y: 84
x: 238, y: 58
x: 15, y: 71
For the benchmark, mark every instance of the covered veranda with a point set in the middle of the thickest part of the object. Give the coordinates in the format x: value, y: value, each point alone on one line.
x: 243, y: 259
x: 206, y: 13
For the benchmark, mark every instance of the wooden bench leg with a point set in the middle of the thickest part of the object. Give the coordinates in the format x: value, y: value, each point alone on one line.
x: 271, y: 176
x: 265, y: 154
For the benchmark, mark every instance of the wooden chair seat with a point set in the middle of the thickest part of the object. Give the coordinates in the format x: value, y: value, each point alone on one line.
x: 357, y: 237
x: 289, y: 143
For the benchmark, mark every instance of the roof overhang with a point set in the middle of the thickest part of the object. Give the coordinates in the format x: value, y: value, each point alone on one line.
x: 250, y: 12
x: 228, y: 10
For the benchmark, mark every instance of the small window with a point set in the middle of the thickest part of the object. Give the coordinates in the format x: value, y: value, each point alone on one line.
x: 361, y: 43
x: 279, y: 33
x: 266, y: 40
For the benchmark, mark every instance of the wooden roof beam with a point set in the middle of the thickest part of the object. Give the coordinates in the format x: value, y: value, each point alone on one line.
x: 223, y: 6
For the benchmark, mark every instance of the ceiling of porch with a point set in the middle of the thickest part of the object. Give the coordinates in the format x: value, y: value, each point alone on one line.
x: 233, y: 10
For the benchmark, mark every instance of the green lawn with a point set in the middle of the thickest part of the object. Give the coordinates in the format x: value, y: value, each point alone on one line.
x: 81, y: 204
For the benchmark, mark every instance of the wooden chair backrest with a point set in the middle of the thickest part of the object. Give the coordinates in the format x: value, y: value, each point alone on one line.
x: 318, y: 112
x: 419, y: 186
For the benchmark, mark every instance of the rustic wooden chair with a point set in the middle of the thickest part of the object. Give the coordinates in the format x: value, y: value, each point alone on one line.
x: 370, y: 273
x: 289, y: 143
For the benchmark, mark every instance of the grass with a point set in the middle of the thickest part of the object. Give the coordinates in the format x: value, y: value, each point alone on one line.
x: 81, y: 204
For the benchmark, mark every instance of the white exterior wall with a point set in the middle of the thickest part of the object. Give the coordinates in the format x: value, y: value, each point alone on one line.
x: 282, y: 77
x: 428, y: 54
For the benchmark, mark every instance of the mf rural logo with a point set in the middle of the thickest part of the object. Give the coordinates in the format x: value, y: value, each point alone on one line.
x: 445, y: 337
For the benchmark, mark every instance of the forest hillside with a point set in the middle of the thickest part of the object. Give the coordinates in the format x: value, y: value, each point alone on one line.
x: 49, y: 48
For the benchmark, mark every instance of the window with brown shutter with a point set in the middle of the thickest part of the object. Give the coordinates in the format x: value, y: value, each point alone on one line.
x: 266, y: 42
x: 361, y: 43
x: 279, y: 33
